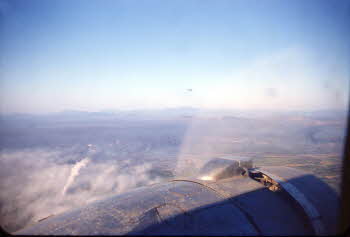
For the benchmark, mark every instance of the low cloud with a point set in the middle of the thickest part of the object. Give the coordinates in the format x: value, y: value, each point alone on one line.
x: 34, y: 184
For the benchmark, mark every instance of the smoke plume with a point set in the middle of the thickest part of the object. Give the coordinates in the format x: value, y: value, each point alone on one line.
x: 74, y: 172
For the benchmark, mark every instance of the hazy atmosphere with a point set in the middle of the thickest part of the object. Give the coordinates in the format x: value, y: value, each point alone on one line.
x: 100, y: 97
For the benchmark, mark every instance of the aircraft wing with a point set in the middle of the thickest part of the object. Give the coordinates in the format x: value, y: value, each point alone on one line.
x: 231, y: 197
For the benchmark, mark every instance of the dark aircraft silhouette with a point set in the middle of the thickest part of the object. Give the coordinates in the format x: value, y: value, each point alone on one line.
x: 229, y: 197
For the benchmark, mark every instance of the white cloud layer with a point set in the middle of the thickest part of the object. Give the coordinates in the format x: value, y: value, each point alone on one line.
x: 32, y: 184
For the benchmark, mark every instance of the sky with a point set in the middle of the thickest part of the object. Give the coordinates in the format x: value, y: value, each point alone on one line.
x: 99, y: 55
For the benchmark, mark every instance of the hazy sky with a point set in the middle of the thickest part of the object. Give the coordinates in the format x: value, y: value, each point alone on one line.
x: 96, y: 55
